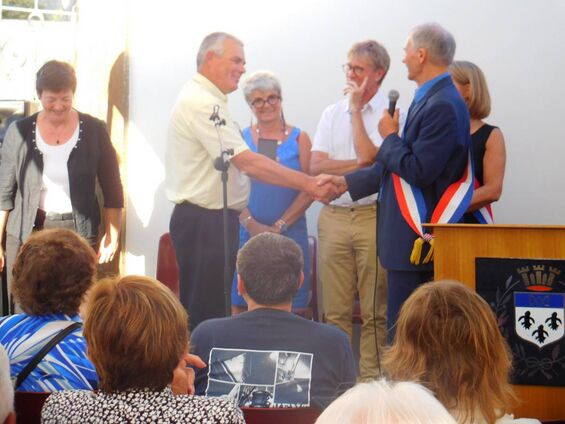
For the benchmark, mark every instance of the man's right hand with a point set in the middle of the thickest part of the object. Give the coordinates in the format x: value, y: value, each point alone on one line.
x: 355, y: 93
x: 328, y: 188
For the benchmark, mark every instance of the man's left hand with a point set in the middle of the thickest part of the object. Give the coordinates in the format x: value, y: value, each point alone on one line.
x: 389, y: 124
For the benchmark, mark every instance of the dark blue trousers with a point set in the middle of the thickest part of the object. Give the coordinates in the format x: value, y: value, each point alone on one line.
x: 198, y: 238
x: 401, y: 284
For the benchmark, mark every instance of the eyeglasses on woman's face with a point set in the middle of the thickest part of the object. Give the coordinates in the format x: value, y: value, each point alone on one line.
x: 259, y: 102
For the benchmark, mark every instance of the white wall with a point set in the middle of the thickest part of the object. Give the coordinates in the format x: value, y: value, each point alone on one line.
x: 518, y: 44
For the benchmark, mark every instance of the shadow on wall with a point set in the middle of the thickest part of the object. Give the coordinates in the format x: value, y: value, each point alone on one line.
x: 117, y: 117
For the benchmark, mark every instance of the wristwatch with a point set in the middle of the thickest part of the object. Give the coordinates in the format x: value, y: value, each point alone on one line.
x: 281, y: 225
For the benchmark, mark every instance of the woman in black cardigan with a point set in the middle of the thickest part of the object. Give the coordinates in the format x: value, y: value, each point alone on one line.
x: 50, y: 164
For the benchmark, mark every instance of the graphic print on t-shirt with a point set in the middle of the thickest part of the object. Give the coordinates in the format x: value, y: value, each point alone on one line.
x: 260, y: 378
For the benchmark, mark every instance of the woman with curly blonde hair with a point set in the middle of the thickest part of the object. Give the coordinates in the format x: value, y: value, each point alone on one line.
x: 447, y: 339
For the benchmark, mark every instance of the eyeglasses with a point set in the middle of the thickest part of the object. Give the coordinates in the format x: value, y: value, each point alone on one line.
x: 357, y: 70
x: 272, y: 100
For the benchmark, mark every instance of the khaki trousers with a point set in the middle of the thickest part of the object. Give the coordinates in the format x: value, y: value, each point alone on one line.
x: 348, y: 265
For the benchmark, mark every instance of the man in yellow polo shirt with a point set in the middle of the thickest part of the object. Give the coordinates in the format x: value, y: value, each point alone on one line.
x: 195, y: 186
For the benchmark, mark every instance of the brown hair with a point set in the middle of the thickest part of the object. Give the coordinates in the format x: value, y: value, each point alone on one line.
x: 447, y: 339
x: 136, y: 331
x: 467, y: 73
x: 52, y: 272
x: 56, y: 76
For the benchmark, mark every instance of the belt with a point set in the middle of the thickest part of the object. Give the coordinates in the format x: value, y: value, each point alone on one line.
x: 55, y: 216
x: 351, y: 208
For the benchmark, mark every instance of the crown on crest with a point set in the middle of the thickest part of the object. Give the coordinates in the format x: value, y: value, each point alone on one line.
x: 538, y: 277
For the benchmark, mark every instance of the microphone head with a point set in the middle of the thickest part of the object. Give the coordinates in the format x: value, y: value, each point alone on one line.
x: 393, y: 95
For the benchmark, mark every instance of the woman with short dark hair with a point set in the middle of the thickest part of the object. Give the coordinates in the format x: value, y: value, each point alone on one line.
x: 137, y: 335
x: 51, y: 162
x: 53, y: 271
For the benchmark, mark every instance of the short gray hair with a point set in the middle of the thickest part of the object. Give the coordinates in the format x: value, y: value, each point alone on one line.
x: 437, y: 40
x: 213, y: 42
x: 262, y: 81
x: 374, y: 51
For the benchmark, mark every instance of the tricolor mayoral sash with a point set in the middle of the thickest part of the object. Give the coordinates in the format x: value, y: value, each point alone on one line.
x: 450, y: 208
x: 483, y: 215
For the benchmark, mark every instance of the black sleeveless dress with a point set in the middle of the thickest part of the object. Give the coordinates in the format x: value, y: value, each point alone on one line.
x: 479, y: 139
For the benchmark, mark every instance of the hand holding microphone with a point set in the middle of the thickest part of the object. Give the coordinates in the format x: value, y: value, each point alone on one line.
x: 389, y: 123
x: 393, y: 96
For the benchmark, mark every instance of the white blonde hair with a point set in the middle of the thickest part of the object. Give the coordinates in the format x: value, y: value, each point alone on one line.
x: 384, y: 402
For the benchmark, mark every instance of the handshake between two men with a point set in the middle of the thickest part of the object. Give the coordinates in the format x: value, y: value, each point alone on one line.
x: 333, y: 186
x: 329, y: 187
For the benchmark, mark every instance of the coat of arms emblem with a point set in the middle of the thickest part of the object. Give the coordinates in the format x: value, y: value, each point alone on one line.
x: 528, y: 299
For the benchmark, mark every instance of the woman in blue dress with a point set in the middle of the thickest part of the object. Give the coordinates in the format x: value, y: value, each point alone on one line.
x: 272, y: 208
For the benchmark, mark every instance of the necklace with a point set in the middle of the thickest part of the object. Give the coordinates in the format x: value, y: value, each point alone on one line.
x: 58, y: 133
x: 58, y: 129
x: 283, y: 131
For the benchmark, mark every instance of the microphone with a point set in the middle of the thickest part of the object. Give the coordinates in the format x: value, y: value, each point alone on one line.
x: 393, y: 96
x: 215, y: 115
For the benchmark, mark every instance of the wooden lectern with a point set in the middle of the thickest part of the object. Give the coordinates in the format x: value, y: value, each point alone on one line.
x: 455, y: 248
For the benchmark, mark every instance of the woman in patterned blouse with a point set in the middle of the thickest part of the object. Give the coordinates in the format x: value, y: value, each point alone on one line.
x: 137, y: 336
x: 52, y: 273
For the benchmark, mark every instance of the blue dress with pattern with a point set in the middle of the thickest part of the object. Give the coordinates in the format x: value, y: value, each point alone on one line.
x: 268, y: 202
x: 66, y: 366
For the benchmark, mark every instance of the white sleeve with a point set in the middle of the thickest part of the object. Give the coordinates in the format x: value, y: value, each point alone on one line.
x: 321, y: 141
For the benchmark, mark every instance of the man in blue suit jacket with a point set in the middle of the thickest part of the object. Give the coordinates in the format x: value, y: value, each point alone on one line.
x: 431, y: 155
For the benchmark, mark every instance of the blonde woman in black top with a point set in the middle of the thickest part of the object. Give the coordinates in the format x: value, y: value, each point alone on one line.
x: 488, y: 141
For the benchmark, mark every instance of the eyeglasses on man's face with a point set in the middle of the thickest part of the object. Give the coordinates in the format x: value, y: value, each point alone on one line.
x: 357, y: 70
x: 259, y: 102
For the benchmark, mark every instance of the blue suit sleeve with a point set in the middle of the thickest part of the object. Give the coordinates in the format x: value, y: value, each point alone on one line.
x: 364, y: 182
x: 421, y: 162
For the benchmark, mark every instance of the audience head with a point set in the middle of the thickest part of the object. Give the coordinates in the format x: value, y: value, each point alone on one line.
x: 375, y: 57
x: 472, y: 85
x: 136, y: 331
x: 270, y: 267
x: 429, y: 46
x: 221, y: 59
x: 6, y: 388
x: 55, y: 76
x: 52, y: 272
x: 447, y: 339
x: 386, y: 403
